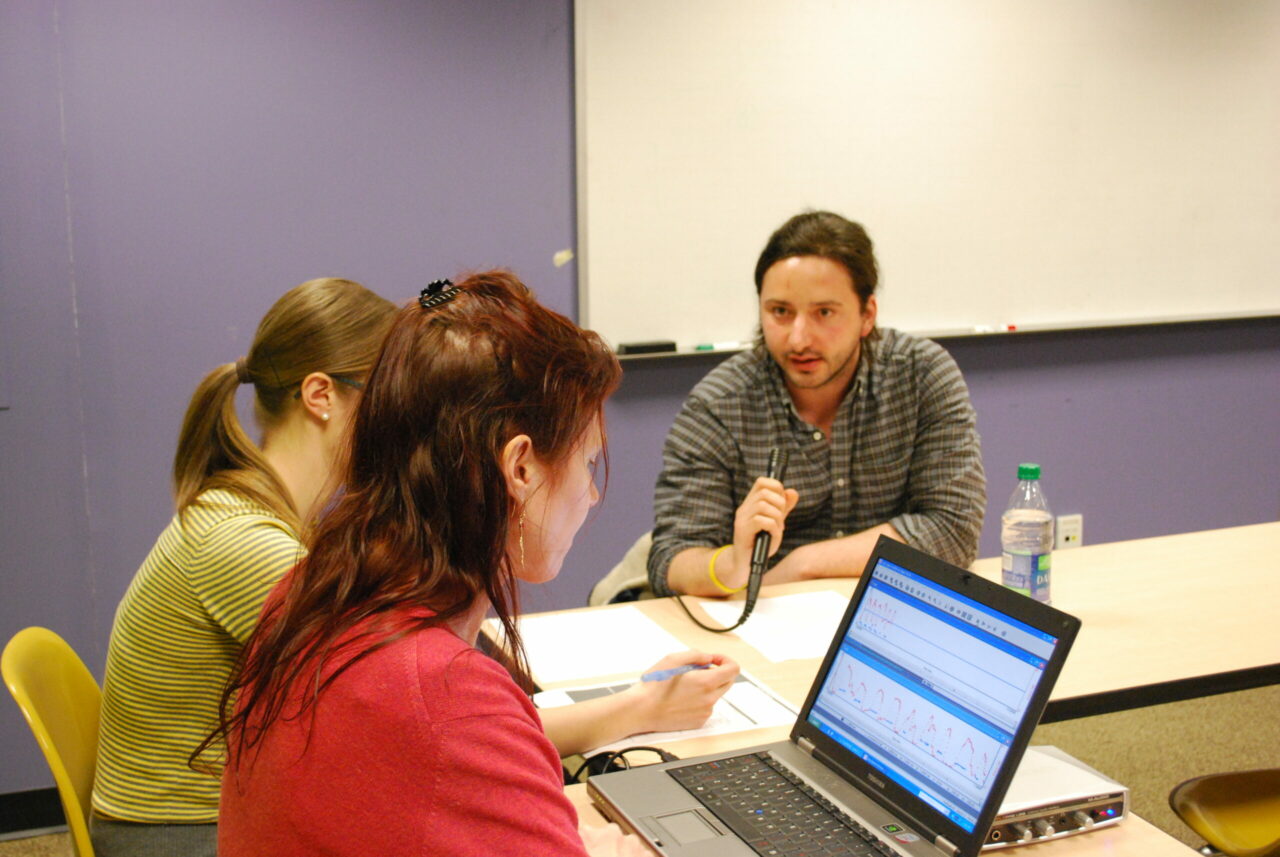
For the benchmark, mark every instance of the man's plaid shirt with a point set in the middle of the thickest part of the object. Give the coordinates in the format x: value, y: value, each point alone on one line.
x: 904, y: 449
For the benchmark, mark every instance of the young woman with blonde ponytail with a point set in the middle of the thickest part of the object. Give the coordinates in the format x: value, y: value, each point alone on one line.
x: 242, y: 509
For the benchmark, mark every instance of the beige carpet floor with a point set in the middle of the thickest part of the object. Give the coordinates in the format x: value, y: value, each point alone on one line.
x: 1148, y: 749
x: 55, y: 845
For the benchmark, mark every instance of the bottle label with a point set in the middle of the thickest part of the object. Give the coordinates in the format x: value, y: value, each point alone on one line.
x: 1027, y: 573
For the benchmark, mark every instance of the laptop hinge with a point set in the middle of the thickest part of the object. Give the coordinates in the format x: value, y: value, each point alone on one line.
x: 805, y: 745
x: 945, y: 845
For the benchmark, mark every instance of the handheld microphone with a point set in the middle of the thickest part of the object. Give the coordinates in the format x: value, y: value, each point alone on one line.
x: 776, y: 469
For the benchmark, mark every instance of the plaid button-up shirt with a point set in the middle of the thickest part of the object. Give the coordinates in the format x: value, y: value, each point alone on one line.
x: 903, y: 448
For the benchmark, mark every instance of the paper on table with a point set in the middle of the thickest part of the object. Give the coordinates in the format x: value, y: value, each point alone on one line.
x: 785, y: 626
x: 572, y: 646
x: 747, y: 704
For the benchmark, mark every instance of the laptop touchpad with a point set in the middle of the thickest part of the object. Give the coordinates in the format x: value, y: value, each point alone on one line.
x: 685, y: 827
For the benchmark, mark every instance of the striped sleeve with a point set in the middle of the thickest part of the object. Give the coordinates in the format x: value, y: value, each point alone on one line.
x: 240, y: 559
x: 694, y: 500
x: 946, y: 494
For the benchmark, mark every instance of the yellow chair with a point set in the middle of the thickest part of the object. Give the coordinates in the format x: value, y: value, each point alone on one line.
x: 1238, y: 813
x: 60, y: 700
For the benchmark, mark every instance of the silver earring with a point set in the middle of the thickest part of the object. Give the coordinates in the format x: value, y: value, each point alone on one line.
x: 522, y: 539
x: 325, y: 416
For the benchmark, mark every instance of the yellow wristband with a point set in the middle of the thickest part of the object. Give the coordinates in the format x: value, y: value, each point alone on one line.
x: 711, y: 573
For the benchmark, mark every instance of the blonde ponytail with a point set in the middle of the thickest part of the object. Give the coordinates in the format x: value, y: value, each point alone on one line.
x: 215, y: 452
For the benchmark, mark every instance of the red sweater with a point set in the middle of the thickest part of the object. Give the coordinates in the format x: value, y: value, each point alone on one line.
x: 425, y: 747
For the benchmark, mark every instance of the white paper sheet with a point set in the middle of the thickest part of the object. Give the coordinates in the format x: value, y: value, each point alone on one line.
x: 785, y: 626
x: 747, y: 704
x: 618, y: 641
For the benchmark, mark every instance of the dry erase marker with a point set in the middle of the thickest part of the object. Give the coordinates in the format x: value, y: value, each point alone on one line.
x: 717, y: 346
x: 663, y: 675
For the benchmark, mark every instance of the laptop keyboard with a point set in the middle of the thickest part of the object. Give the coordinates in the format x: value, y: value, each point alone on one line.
x: 773, y: 810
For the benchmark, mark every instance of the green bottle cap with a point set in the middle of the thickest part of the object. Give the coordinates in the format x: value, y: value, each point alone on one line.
x: 1028, y: 471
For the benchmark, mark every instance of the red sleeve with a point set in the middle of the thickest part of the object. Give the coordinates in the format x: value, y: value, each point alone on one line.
x: 501, y: 788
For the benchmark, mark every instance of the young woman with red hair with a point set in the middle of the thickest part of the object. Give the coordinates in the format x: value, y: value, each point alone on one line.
x: 365, y: 721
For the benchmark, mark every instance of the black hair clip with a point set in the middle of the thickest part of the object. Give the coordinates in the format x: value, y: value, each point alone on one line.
x: 436, y: 293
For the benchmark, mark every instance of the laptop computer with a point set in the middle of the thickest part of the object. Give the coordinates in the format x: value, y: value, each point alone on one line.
x: 906, y: 744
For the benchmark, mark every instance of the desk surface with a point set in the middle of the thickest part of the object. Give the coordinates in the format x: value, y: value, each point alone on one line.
x: 1164, y: 619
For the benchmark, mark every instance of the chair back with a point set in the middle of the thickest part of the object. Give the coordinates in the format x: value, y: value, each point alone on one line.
x: 629, y: 579
x: 1237, y: 812
x: 60, y: 701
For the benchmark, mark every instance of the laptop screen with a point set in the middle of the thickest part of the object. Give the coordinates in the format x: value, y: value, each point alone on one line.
x: 929, y: 687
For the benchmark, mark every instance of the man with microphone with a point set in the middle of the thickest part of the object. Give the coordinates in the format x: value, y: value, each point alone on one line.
x: 876, y: 426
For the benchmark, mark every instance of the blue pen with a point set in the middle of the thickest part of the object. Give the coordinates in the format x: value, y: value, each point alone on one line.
x: 663, y: 675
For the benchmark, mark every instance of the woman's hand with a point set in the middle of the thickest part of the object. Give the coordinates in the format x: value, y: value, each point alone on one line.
x: 683, y: 702
x: 610, y: 841
x: 686, y: 701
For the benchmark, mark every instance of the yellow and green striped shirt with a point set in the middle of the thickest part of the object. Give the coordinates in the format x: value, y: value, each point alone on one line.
x: 177, y: 633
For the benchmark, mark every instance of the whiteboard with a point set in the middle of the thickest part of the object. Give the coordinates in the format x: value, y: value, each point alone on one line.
x: 1035, y: 163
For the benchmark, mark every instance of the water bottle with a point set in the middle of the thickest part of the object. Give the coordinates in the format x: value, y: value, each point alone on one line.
x: 1026, y: 537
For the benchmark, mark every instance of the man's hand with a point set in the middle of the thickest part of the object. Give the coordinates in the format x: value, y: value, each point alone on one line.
x: 765, y: 509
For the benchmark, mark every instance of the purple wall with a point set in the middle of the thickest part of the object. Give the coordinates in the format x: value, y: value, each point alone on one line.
x: 170, y: 169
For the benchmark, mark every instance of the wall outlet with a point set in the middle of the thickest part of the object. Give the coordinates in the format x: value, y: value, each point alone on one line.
x: 1068, y: 532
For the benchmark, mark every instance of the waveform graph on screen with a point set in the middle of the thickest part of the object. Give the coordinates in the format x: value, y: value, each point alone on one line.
x: 877, y: 617
x: 947, y: 656
x: 933, y: 738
